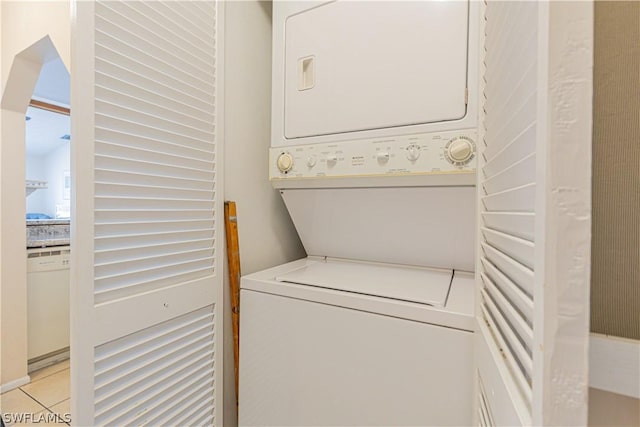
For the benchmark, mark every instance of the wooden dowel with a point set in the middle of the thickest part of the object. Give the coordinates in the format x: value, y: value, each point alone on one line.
x: 233, y: 257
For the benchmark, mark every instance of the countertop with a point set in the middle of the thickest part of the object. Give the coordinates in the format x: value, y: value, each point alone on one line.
x: 66, y: 221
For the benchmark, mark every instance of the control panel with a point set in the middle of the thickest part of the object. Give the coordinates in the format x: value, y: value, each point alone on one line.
x: 417, y: 154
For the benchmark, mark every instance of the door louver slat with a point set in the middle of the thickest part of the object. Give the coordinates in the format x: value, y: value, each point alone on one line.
x: 520, y: 173
x: 134, y: 130
x: 112, y: 67
x: 153, y: 93
x: 518, y: 375
x: 507, y: 189
x: 484, y: 416
x: 149, y: 119
x: 523, y: 144
x: 519, y: 224
x: 513, y: 344
x: 142, y: 203
x: 118, y: 26
x: 516, y: 319
x: 121, y: 389
x: 116, y: 216
x: 520, y: 65
x: 522, y: 302
x: 140, y: 373
x: 519, y: 199
x: 118, y: 255
x: 189, y: 42
x: 153, y: 179
x: 190, y: 159
x: 519, y: 249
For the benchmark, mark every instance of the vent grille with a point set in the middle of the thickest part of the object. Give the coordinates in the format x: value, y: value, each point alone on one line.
x: 160, y: 375
x: 508, y: 187
x: 154, y: 146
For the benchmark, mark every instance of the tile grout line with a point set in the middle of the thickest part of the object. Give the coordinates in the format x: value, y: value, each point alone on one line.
x: 43, y: 406
x: 34, y: 399
x: 40, y: 403
x: 43, y: 378
x: 48, y: 408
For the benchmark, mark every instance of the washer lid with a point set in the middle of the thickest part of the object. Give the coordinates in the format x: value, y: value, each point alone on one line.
x: 413, y: 284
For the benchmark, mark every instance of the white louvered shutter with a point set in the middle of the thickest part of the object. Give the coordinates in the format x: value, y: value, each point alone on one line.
x: 534, y: 183
x: 147, y: 283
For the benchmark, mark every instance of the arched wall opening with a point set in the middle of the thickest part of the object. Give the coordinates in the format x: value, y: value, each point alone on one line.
x: 19, y: 88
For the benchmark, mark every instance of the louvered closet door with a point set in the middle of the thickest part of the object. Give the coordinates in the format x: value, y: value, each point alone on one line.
x: 147, y: 287
x: 534, y: 204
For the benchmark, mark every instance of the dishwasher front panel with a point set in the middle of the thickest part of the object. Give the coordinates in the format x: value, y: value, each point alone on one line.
x: 47, y: 301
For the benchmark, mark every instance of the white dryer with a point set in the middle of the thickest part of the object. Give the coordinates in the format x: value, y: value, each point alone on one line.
x: 373, y: 151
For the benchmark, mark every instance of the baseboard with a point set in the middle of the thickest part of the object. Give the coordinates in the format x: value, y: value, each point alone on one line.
x: 15, y: 384
x: 48, y: 360
x: 614, y: 365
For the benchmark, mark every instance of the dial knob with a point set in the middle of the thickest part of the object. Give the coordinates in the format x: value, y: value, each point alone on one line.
x: 383, y: 157
x: 311, y: 161
x: 332, y: 159
x: 460, y: 150
x: 413, y: 152
x: 285, y: 162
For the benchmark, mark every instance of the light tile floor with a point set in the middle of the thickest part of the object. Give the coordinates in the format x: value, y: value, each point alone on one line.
x: 47, y: 394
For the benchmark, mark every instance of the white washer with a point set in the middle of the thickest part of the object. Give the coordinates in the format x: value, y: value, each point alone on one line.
x: 379, y: 332
x: 335, y: 342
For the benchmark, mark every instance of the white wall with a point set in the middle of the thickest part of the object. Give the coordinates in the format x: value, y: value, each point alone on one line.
x: 57, y: 162
x: 23, y: 24
x: 266, y: 234
x: 49, y: 167
x: 36, y: 170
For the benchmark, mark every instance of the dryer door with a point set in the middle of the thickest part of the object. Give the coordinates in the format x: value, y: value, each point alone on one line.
x: 354, y: 66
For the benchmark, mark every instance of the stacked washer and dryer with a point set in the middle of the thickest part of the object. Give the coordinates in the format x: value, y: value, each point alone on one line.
x: 373, y: 151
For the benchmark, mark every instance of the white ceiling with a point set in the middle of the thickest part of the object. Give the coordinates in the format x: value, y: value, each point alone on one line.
x: 45, y: 128
x: 43, y: 131
x: 53, y: 83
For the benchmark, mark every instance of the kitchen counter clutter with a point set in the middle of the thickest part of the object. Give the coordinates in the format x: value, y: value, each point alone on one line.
x: 47, y: 232
x: 50, y: 221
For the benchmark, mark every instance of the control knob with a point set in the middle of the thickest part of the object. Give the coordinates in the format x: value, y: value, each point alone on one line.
x: 311, y: 161
x: 383, y: 157
x: 413, y: 152
x: 459, y: 150
x: 285, y: 162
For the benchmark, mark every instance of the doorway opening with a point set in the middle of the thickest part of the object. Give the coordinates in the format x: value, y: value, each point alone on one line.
x: 36, y: 201
x: 48, y: 218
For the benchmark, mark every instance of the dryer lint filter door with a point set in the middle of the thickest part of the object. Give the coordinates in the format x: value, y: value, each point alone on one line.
x: 413, y: 284
x: 355, y: 66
